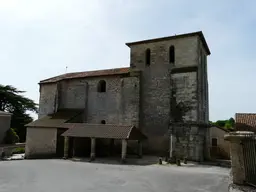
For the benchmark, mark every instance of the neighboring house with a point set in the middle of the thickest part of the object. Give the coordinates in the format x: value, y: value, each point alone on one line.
x: 245, y: 122
x: 109, y: 104
x: 5, y: 123
x: 219, y: 147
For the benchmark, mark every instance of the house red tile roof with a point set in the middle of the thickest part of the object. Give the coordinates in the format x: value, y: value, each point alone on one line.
x: 105, y: 72
x: 246, y: 121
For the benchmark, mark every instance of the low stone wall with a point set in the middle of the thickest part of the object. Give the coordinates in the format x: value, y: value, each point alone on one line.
x: 238, y: 175
x: 6, y: 150
x: 240, y: 188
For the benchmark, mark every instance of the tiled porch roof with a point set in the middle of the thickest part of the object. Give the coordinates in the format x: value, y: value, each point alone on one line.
x: 103, y: 131
x: 55, y: 120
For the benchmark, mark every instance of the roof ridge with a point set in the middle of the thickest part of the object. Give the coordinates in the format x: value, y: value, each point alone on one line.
x: 181, y: 35
x: 245, y: 113
x: 81, y: 74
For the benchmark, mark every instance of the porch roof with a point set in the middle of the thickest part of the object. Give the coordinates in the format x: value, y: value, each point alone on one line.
x: 108, y: 131
x: 55, y: 120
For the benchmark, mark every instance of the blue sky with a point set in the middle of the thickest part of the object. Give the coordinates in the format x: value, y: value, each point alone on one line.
x: 38, y: 39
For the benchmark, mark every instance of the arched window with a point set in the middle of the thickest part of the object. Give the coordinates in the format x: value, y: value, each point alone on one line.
x: 147, y: 55
x: 172, y: 54
x: 102, y: 86
x: 103, y: 122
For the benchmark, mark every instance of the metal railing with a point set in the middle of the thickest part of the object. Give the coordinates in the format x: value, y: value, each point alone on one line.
x: 249, y: 153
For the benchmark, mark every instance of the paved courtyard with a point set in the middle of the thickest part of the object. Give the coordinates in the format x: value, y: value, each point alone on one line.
x: 67, y: 176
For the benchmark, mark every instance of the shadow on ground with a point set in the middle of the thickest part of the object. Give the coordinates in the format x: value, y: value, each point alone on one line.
x: 146, y: 160
x: 149, y: 160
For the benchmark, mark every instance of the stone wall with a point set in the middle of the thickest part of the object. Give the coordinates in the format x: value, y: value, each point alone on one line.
x: 5, y: 122
x: 41, y: 142
x: 48, y: 99
x: 73, y: 94
x: 242, y: 172
x: 187, y: 141
x: 185, y: 85
x: 203, y: 94
x: 130, y: 101
x: 118, y: 105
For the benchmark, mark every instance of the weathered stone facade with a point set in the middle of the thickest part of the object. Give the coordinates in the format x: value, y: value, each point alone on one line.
x: 243, y: 157
x: 41, y: 142
x: 5, y: 123
x: 144, y: 96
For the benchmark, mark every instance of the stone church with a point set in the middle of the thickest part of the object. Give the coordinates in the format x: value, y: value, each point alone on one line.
x: 163, y: 91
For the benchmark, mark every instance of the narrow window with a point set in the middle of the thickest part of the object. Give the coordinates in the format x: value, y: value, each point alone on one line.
x: 172, y: 54
x: 148, y: 57
x: 214, y: 142
x: 102, y: 86
x: 103, y: 122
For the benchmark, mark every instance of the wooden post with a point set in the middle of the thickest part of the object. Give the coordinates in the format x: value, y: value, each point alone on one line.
x: 72, y: 154
x: 111, y: 146
x: 66, y: 147
x: 93, y: 145
x: 124, y: 150
x: 140, y: 149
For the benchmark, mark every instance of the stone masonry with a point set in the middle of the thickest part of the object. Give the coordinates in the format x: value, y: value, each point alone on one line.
x: 143, y: 96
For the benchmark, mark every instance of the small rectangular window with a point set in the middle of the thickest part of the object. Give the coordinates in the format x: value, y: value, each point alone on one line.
x: 171, y: 54
x: 148, y: 55
x: 214, y: 142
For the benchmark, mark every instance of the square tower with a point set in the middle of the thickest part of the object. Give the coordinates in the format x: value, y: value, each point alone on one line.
x: 174, y: 85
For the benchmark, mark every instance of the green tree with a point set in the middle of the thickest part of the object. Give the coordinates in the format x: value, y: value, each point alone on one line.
x: 220, y: 123
x: 12, y: 101
x: 11, y: 137
x: 228, y: 124
x: 232, y: 121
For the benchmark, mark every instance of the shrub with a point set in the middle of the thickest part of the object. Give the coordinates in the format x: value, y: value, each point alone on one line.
x: 18, y: 150
x: 11, y: 137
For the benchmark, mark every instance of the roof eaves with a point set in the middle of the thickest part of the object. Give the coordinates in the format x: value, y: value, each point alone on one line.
x: 200, y: 33
x: 96, y: 73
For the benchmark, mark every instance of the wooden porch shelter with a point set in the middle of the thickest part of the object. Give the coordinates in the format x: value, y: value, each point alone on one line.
x: 101, y: 131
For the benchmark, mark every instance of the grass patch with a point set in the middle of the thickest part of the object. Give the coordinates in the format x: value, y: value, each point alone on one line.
x: 18, y: 150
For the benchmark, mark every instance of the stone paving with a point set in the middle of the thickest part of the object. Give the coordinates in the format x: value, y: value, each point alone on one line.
x: 66, y: 175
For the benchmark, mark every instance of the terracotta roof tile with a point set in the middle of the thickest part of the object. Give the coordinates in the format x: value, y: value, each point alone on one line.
x: 103, y: 131
x: 105, y: 72
x: 246, y: 121
x: 62, y: 119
